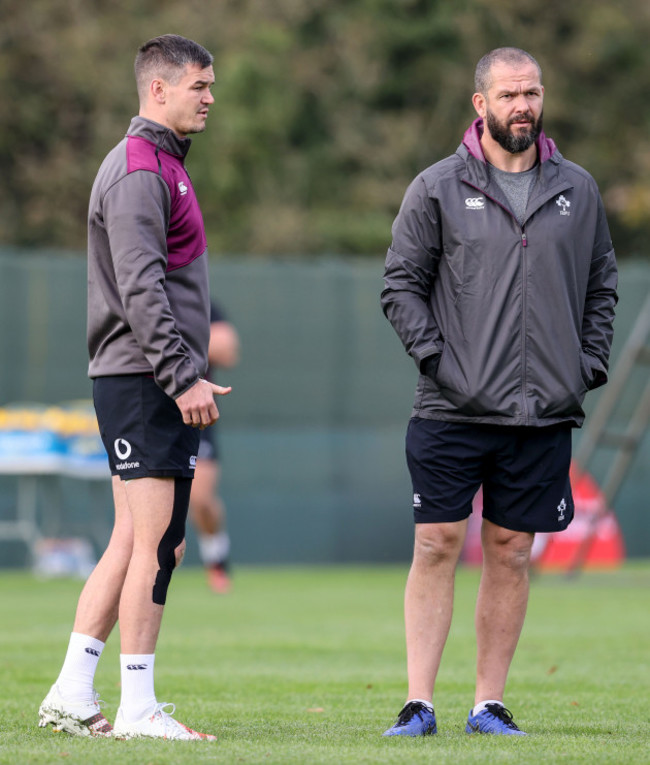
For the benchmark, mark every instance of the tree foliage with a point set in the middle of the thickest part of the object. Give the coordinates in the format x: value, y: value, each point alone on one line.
x: 324, y: 109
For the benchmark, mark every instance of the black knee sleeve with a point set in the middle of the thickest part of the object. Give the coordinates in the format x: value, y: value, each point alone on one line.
x: 172, y: 537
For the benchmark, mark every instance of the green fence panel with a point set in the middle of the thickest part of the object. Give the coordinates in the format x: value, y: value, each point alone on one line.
x: 312, y: 437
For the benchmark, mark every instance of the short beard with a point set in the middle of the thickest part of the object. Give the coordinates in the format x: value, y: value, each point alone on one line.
x: 514, y: 144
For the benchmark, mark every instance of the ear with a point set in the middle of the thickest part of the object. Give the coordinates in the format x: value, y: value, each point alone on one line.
x: 158, y: 90
x: 480, y: 104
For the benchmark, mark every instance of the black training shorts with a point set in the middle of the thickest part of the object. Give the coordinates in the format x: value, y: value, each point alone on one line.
x: 524, y: 472
x: 209, y: 446
x: 143, y: 429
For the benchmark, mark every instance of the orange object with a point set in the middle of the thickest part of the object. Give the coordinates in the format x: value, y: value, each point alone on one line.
x: 593, y: 538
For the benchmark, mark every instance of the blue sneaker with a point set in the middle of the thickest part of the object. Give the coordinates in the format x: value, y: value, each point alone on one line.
x: 415, y: 719
x: 495, y: 718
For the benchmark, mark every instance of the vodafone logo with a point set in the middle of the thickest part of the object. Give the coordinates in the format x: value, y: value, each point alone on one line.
x: 122, y: 448
x: 123, y: 451
x: 474, y: 203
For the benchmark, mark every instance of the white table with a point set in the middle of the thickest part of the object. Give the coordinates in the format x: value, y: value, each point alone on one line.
x: 42, y: 470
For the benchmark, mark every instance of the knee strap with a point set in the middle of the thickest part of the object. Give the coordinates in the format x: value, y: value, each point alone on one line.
x: 172, y: 537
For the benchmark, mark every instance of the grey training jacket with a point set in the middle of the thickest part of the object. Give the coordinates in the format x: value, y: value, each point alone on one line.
x: 148, y: 292
x: 512, y: 323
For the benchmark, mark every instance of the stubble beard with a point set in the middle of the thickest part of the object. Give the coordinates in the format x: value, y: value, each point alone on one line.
x: 193, y: 129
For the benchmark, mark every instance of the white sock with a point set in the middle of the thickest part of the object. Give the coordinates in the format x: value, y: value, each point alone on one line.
x: 214, y: 548
x: 481, y: 706
x: 427, y: 704
x: 138, y: 697
x: 77, y: 674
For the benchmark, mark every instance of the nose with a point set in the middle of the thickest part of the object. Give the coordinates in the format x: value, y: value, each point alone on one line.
x: 521, y: 103
x: 208, y: 98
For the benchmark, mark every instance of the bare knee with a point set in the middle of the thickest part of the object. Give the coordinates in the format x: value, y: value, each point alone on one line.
x: 438, y: 543
x: 506, y: 548
x: 179, y: 553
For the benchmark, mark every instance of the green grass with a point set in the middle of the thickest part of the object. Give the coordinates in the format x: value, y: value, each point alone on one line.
x: 306, y: 665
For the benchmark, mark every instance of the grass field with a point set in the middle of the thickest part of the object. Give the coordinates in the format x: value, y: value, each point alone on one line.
x: 306, y: 665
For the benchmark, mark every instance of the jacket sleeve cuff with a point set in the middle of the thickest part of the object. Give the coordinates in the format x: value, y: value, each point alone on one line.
x: 186, y: 388
x: 423, y: 357
x: 598, y: 373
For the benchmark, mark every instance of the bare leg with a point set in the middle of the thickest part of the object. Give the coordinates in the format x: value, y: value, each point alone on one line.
x: 428, y: 602
x: 151, y: 502
x: 71, y: 704
x: 208, y: 515
x: 501, y: 606
x: 99, y: 601
x: 206, y: 507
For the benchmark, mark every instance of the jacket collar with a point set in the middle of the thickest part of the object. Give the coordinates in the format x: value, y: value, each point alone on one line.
x: 162, y: 137
x: 546, y: 147
x: 549, y: 182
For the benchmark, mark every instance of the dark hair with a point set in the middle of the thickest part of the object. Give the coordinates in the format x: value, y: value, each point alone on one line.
x: 167, y: 56
x: 511, y: 56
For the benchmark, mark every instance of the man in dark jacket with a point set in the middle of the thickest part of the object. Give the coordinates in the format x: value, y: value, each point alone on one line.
x: 501, y: 283
x: 148, y: 330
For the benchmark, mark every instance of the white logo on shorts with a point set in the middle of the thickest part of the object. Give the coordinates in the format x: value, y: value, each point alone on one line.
x: 417, y: 501
x: 560, y: 510
x: 122, y: 448
x: 193, y: 461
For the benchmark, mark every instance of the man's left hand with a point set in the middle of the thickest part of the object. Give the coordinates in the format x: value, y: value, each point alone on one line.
x: 197, y: 404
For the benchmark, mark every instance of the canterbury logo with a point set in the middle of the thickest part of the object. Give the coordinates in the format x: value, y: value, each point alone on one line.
x: 91, y: 651
x: 475, y: 203
x: 136, y: 666
x: 122, y: 448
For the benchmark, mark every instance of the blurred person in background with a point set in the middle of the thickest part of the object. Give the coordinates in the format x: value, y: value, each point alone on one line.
x: 207, y: 510
x: 148, y: 334
x: 501, y: 283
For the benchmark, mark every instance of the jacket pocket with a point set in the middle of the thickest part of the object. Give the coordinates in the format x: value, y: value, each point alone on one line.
x: 453, y: 383
x: 558, y: 390
x: 587, y: 371
x: 469, y: 389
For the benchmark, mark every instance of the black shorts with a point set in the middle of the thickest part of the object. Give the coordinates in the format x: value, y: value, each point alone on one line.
x: 209, y: 445
x: 524, y: 472
x: 143, y: 429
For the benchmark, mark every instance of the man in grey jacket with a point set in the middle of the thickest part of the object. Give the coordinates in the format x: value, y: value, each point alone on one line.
x: 501, y: 283
x: 148, y: 330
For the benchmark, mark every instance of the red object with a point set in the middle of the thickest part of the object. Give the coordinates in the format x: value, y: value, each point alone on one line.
x: 594, y: 526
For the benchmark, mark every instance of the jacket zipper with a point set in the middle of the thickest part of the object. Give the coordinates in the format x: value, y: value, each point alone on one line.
x: 524, y: 301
